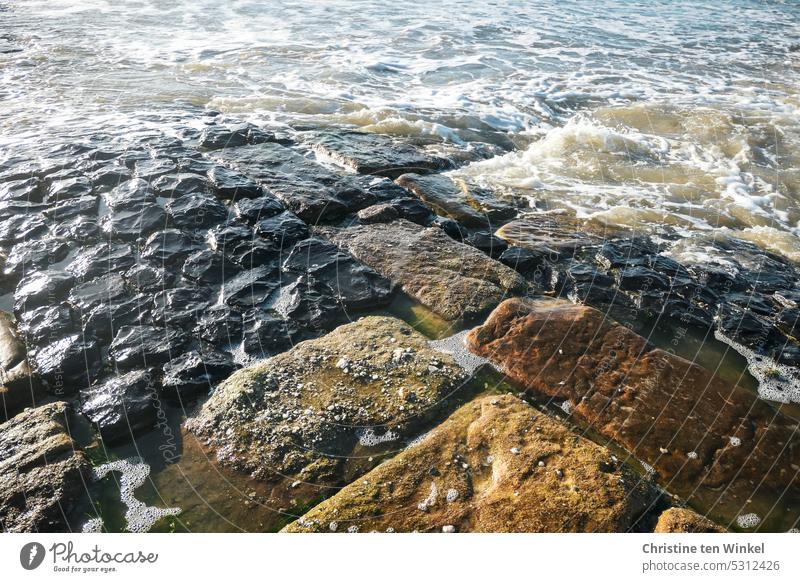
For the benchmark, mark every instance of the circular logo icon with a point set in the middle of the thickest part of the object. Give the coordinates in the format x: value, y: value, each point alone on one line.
x: 31, y: 555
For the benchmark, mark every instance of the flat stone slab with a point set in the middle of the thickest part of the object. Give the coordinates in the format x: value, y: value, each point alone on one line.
x: 303, y: 415
x: 42, y: 475
x: 692, y: 428
x: 373, y: 154
x: 450, y: 278
x: 457, y: 199
x: 496, y: 465
x: 560, y: 235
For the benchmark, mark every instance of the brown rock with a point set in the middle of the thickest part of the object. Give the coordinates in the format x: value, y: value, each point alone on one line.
x: 378, y: 213
x: 496, y: 465
x: 306, y: 413
x: 693, y: 428
x: 682, y: 520
x: 17, y: 388
x: 457, y: 199
x: 555, y: 232
x: 450, y: 278
x: 42, y: 475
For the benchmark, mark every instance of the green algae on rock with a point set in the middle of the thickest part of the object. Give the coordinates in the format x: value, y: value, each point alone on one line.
x: 41, y: 472
x: 452, y: 279
x: 314, y: 414
x: 496, y: 465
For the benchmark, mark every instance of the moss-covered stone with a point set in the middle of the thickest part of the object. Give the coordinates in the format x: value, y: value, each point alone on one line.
x: 42, y: 475
x: 496, y: 465
x: 313, y: 415
x: 683, y: 520
x: 452, y: 279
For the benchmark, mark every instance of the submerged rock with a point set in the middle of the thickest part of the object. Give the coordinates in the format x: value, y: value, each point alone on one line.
x: 134, y: 193
x: 146, y: 277
x: 559, y: 235
x: 219, y: 136
x: 106, y: 319
x: 46, y: 324
x: 373, y: 154
x: 22, y: 227
x: 282, y: 229
x: 496, y: 465
x: 683, y: 520
x: 181, y: 306
x: 86, y: 296
x: 453, y: 279
x: 42, y: 474
x: 176, y: 186
x: 251, y: 288
x: 209, y: 267
x: 122, y: 406
x: 297, y: 415
x: 133, y: 223
x: 241, y: 244
x: 691, y: 427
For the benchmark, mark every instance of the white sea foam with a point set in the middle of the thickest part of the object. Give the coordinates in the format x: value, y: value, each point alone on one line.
x: 776, y: 381
x: 368, y: 438
x: 455, y: 346
x: 134, y: 472
x: 748, y: 520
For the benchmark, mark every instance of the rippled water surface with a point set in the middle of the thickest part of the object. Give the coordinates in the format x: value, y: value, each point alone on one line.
x: 633, y: 113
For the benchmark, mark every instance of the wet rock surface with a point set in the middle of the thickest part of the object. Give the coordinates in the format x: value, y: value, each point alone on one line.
x: 17, y: 388
x: 692, y: 428
x: 196, y: 372
x: 192, y: 255
x: 121, y: 407
x: 452, y: 279
x: 495, y: 465
x: 456, y: 199
x: 373, y: 154
x: 41, y: 472
x: 308, y: 189
x: 300, y: 415
x: 732, y: 287
x: 146, y: 345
